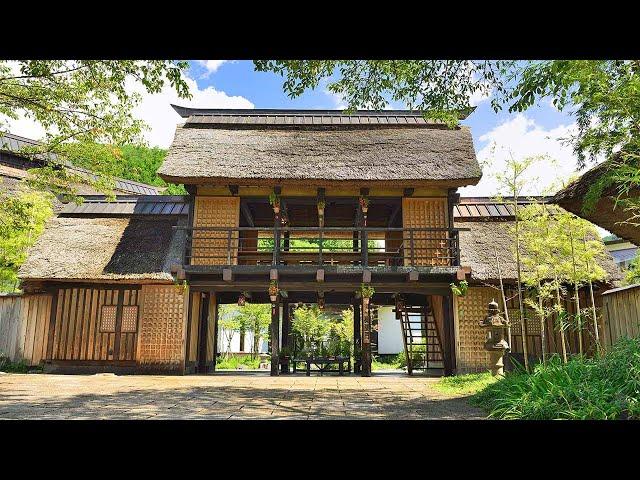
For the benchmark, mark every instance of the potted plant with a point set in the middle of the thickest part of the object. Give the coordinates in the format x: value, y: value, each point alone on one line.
x: 274, y: 201
x: 364, y: 204
x: 366, y: 291
x: 273, y: 290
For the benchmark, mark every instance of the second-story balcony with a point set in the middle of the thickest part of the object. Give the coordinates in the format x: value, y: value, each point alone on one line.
x: 322, y: 246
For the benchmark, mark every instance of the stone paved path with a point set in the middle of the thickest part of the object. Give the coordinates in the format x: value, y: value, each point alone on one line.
x: 226, y: 396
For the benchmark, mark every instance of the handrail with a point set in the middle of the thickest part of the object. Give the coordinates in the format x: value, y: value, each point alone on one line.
x: 325, y: 229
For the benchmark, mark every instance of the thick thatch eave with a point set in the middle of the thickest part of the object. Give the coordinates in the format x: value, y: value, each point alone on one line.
x: 105, y: 249
x: 605, y: 213
x: 405, y: 156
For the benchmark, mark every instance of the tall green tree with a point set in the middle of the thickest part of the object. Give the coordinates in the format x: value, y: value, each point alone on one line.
x: 83, y: 101
x: 23, y: 216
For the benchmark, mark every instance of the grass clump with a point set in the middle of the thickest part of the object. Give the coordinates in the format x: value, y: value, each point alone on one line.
x: 388, y: 362
x: 465, y: 384
x: 584, y: 388
x: 236, y: 362
x: 6, y: 365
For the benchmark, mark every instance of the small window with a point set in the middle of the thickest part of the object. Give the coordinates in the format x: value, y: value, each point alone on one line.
x: 129, y: 319
x: 108, y: 319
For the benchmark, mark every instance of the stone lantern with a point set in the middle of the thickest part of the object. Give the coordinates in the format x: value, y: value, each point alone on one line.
x: 496, y: 344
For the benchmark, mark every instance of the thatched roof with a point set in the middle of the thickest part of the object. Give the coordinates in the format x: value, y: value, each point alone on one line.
x: 477, y: 251
x: 320, y: 153
x: 139, y: 248
x: 606, y: 213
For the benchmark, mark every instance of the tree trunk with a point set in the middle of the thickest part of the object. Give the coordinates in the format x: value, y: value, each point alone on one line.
x: 504, y: 298
x: 593, y: 308
x: 563, y: 340
x: 523, y: 319
x: 577, y: 296
x: 543, y: 336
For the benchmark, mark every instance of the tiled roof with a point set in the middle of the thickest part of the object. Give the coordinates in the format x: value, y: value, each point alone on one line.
x: 127, y: 205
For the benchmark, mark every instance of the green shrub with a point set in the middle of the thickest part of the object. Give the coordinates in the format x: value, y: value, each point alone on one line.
x: 388, y: 362
x: 6, y: 365
x: 599, y: 388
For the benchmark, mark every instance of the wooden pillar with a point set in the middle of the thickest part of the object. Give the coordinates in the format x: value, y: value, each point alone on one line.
x: 275, y: 333
x: 366, y: 338
x: 357, y: 339
x: 286, y: 327
x: 201, y: 358
x: 215, y: 334
x: 449, y: 336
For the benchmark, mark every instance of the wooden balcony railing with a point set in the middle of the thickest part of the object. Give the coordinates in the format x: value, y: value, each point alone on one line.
x: 317, y: 246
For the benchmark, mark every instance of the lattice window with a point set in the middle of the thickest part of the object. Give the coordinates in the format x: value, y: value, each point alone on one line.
x: 161, y: 325
x: 129, y: 319
x: 108, y: 319
x: 471, y: 309
x: 429, y: 248
x: 211, y: 247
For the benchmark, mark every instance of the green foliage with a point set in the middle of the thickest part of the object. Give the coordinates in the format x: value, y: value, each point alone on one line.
x: 254, y: 318
x: 460, y: 290
x: 133, y: 162
x: 366, y: 290
x: 321, y: 333
x: 22, y: 218
x: 8, y: 366
x: 84, y: 101
x: 465, y: 384
x: 600, y: 388
x: 440, y: 88
x: 236, y: 362
x: 389, y: 362
x: 633, y: 273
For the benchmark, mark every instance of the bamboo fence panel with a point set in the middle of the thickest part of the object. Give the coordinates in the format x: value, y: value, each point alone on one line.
x: 23, y: 327
x: 621, y: 312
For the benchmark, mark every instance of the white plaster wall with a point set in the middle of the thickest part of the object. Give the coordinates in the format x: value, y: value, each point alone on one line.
x: 389, y: 332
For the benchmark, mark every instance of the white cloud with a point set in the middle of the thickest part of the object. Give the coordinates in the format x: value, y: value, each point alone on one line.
x: 523, y: 137
x: 211, y: 66
x: 156, y: 110
x: 479, y: 96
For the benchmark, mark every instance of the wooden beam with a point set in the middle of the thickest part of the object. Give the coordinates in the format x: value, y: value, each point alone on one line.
x: 246, y: 211
x: 273, y: 274
x: 366, y: 276
x: 364, y: 192
x: 408, y: 192
x: 366, y: 338
x: 320, y: 275
x: 462, y: 273
x: 413, y: 276
x: 233, y: 189
x: 275, y: 334
x: 357, y: 339
x: 227, y: 275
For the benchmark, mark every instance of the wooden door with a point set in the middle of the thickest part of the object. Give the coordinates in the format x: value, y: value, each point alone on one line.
x: 95, y: 324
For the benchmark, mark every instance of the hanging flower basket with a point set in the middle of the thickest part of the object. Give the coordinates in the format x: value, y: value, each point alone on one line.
x: 273, y: 290
x: 274, y: 200
x: 364, y: 204
x: 366, y: 291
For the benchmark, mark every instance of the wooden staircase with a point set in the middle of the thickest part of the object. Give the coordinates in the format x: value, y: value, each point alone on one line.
x: 421, y: 338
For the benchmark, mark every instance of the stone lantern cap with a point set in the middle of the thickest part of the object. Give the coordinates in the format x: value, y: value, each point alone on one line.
x: 493, y: 318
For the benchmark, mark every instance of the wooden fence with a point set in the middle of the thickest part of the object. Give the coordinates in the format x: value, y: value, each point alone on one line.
x: 23, y: 327
x: 621, y: 313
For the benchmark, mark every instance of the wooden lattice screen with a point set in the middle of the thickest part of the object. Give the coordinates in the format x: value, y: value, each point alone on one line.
x: 162, y: 326
x: 429, y: 248
x: 208, y: 247
x: 470, y: 337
